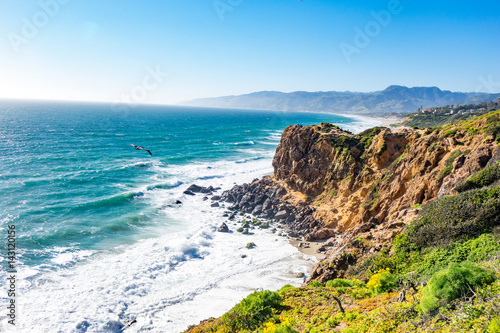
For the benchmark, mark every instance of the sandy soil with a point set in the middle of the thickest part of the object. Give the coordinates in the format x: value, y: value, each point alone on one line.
x: 310, y: 248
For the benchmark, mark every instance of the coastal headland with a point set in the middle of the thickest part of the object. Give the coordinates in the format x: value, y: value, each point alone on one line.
x: 353, y: 194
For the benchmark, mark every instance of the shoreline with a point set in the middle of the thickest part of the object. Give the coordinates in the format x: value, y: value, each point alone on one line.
x: 311, y: 247
x: 385, y: 122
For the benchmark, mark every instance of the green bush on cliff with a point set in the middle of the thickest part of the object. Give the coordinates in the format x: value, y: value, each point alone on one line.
x: 458, y: 280
x: 382, y: 282
x: 494, y: 326
x: 252, y: 311
x: 475, y: 250
x: 339, y: 283
x: 423, y: 263
x: 483, y: 178
x: 454, y: 218
x: 315, y: 284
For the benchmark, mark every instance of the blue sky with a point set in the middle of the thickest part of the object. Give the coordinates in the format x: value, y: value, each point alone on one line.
x: 169, y: 51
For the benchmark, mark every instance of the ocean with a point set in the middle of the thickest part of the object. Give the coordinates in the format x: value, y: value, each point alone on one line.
x: 100, y: 240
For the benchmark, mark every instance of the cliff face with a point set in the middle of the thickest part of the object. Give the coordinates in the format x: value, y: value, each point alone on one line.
x: 332, y: 185
x: 368, y: 187
x: 377, y: 176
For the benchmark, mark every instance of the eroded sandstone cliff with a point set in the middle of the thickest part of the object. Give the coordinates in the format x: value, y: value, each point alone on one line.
x: 332, y: 185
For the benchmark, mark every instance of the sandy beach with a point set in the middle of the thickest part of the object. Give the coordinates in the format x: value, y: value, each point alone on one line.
x: 309, y: 248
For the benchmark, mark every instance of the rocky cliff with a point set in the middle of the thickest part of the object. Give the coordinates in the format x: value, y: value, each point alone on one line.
x: 333, y: 185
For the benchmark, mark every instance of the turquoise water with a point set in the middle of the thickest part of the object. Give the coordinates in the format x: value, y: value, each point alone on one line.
x: 75, y: 187
x: 70, y: 177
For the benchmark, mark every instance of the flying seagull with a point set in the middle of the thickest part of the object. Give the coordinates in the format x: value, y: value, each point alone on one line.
x: 139, y: 148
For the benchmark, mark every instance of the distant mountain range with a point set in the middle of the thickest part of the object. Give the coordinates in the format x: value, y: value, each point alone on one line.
x: 394, y: 99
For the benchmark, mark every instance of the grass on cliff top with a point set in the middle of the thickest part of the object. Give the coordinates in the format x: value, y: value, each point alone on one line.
x: 454, y: 245
x: 314, y: 308
x: 487, y: 124
x: 464, y: 227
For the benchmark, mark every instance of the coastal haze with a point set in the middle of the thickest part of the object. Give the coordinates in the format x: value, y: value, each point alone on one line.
x: 393, y: 99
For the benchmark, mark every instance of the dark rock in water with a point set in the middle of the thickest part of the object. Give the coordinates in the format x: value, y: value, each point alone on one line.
x: 205, y: 198
x: 223, y: 228
x: 257, y: 210
x: 215, y: 198
x: 247, y: 198
x: 243, y: 255
x: 215, y: 204
x: 178, y: 202
x: 195, y: 188
x: 188, y: 192
x: 281, y: 215
x: 226, y: 214
x: 264, y: 198
x: 300, y: 275
x: 229, y: 198
x: 206, y: 190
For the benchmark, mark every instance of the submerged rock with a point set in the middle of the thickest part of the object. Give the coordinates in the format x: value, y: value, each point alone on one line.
x: 223, y: 228
x: 195, y: 188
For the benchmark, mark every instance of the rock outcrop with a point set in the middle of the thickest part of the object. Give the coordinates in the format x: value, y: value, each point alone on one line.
x: 331, y: 184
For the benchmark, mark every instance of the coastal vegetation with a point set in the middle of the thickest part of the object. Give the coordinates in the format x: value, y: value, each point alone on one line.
x: 432, y: 265
x: 419, y: 283
x: 439, y: 116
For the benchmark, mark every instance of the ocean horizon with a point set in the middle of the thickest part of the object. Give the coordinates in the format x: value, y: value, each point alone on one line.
x: 105, y: 234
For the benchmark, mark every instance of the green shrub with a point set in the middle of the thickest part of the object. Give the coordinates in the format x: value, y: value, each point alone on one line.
x: 252, y: 311
x: 382, y: 282
x: 446, y: 171
x: 286, y: 288
x: 285, y: 328
x: 264, y: 225
x: 453, y: 156
x: 315, y: 284
x: 339, y: 283
x: 474, y: 250
x: 494, y: 326
x: 458, y: 217
x: 452, y: 283
x: 483, y: 178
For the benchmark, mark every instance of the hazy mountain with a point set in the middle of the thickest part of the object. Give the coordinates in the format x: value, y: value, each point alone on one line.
x: 393, y: 99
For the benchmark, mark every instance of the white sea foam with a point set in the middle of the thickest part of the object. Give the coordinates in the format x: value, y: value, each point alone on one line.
x: 181, y: 273
x: 187, y: 274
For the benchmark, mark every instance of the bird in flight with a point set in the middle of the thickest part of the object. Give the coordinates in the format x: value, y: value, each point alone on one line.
x: 139, y: 148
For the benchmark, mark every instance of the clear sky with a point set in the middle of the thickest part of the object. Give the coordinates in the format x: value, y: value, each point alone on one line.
x: 166, y: 51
